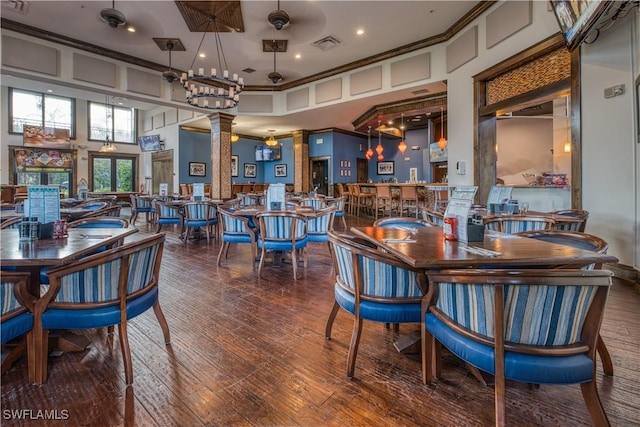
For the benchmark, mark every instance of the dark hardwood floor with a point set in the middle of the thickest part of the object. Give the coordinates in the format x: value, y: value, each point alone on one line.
x: 252, y: 352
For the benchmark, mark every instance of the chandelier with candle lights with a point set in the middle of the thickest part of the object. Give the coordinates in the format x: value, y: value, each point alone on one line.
x: 212, y: 88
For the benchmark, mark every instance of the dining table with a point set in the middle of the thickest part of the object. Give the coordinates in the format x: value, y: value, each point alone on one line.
x: 426, y: 248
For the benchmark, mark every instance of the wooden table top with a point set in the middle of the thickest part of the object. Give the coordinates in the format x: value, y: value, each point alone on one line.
x: 430, y: 250
x: 80, y: 242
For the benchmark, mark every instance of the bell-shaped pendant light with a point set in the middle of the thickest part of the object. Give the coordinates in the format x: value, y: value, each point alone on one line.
x: 442, y: 143
x: 369, y: 153
x: 402, y: 147
x: 379, y: 148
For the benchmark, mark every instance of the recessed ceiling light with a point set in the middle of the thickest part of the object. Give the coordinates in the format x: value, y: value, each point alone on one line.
x: 50, y: 90
x: 202, y: 55
x: 131, y: 29
x: 298, y: 56
x: 360, y: 32
x: 390, y: 122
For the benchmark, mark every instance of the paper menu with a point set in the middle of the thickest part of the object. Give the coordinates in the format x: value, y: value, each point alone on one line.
x: 164, y: 189
x: 198, y: 191
x: 44, y: 203
x: 499, y: 194
x: 276, y: 193
x: 459, y: 205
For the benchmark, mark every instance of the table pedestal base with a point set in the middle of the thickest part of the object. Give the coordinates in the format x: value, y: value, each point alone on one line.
x: 409, y: 344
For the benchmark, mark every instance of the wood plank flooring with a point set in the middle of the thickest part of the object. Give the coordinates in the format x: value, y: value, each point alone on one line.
x: 251, y: 352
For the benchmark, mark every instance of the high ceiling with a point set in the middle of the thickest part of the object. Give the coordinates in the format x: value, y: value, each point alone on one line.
x: 386, y: 26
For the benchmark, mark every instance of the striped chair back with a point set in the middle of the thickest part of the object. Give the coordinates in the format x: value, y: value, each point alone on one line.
x: 539, y: 307
x: 316, y: 203
x: 282, y: 226
x: 575, y: 239
x: 199, y: 213
x: 15, y: 318
x: 106, y: 278
x: 511, y: 224
x: 372, y: 274
x: 232, y: 224
x: 318, y: 226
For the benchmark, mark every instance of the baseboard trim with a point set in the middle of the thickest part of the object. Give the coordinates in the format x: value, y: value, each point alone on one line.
x: 625, y: 272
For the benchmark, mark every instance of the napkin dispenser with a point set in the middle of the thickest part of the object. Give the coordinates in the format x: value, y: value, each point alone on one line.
x: 475, y: 229
x: 45, y: 231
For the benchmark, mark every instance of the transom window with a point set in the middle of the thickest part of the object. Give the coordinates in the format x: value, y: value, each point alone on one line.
x: 40, y: 109
x: 116, y: 123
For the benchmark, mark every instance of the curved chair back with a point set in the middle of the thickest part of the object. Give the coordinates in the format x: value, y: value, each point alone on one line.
x: 575, y: 239
x: 320, y: 224
x: 200, y: 214
x: 576, y: 219
x: 235, y: 229
x: 11, y: 223
x: 282, y: 231
x: 401, y: 221
x: 99, y: 222
x: 372, y: 285
x: 316, y: 203
x: 140, y: 205
x: 93, y: 205
x: 339, y: 203
x: 15, y: 318
x: 101, y: 290
x: 532, y: 326
x: 166, y: 214
x: 109, y: 211
x: 511, y: 224
x: 433, y: 217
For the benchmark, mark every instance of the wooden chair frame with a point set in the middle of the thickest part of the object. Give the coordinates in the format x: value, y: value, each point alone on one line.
x: 20, y: 284
x: 499, y: 221
x: 498, y: 279
x: 38, y: 348
x: 298, y: 220
x: 248, y: 231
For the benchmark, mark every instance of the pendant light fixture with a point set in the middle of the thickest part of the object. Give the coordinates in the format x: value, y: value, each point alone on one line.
x: 369, y: 153
x: 271, y: 142
x: 442, y: 143
x: 402, y: 147
x: 379, y: 148
x: 107, y: 146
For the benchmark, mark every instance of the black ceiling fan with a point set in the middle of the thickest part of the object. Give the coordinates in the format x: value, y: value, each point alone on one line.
x: 278, y: 18
x: 275, y: 76
x: 113, y: 17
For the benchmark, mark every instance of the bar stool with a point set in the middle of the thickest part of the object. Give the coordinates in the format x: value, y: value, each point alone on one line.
x: 384, y: 200
x: 409, y: 199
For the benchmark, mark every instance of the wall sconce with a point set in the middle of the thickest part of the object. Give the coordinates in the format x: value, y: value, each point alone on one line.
x: 567, y: 147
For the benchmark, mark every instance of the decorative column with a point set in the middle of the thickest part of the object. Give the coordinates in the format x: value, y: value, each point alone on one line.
x: 220, y: 155
x: 301, y: 161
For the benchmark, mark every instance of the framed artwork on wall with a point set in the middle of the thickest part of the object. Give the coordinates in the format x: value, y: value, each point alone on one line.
x: 385, y: 168
x: 234, y: 165
x: 197, y: 169
x: 280, y: 170
x: 250, y: 170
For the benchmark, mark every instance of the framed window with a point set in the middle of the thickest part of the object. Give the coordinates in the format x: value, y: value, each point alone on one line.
x: 39, y: 109
x: 112, y: 172
x: 117, y: 123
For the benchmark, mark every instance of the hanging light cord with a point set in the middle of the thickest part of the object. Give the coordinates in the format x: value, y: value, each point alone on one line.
x: 218, y: 43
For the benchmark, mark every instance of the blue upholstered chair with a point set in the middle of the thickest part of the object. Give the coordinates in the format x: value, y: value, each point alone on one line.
x: 588, y: 242
x: 99, y: 222
x: 576, y: 219
x: 141, y: 205
x: 247, y: 199
x: 11, y: 223
x: 105, y: 289
x: 316, y: 203
x: 531, y: 326
x: 236, y: 229
x: 372, y: 285
x: 15, y: 313
x: 282, y: 231
x: 200, y: 215
x: 166, y: 214
x: 433, y: 217
x: 511, y: 224
x: 339, y: 203
x: 320, y: 224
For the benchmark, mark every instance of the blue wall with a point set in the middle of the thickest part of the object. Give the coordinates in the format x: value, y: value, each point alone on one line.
x: 341, y: 148
x: 194, y: 147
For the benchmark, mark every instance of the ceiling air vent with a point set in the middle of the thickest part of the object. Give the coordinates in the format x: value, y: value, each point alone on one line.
x: 248, y: 70
x: 326, y: 43
x: 18, y: 6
